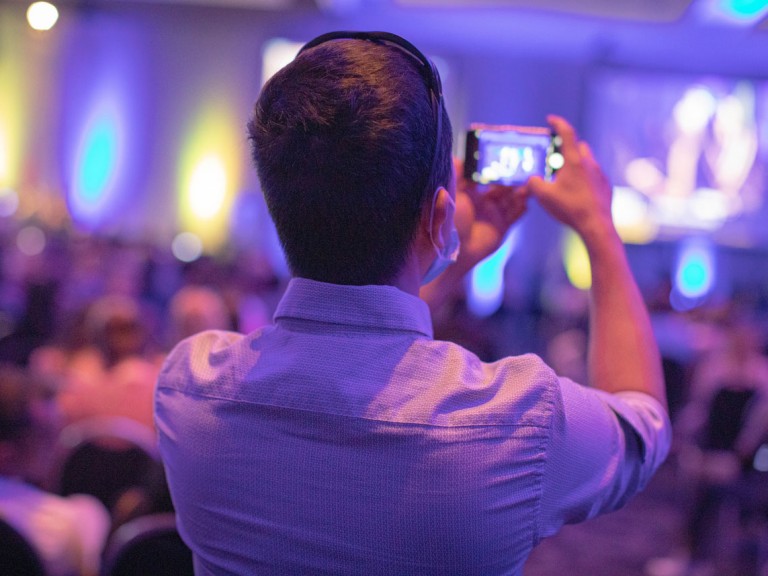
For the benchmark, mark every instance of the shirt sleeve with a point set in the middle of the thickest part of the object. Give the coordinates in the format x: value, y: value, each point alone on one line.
x: 604, y: 449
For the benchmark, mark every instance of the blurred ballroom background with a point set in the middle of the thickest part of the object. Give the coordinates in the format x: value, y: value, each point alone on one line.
x: 130, y: 216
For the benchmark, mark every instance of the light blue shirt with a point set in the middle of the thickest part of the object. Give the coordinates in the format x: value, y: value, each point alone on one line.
x: 345, y: 440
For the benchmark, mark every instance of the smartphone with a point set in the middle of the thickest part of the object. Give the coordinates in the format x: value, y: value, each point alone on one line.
x: 509, y: 155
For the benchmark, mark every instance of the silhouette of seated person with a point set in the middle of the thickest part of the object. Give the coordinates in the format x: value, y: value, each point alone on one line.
x: 112, y: 374
x: 67, y: 533
x: 721, y: 429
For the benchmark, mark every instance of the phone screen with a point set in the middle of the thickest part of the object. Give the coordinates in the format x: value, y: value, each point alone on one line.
x: 508, y: 155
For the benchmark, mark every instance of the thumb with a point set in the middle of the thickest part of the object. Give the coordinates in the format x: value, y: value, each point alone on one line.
x: 546, y: 195
x: 535, y: 186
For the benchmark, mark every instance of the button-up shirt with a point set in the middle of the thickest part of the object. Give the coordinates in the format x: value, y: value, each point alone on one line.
x: 344, y: 439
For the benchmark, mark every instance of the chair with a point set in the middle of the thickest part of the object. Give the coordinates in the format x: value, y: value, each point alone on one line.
x: 104, y: 457
x: 17, y: 556
x: 727, y: 415
x: 729, y: 505
x: 148, y: 546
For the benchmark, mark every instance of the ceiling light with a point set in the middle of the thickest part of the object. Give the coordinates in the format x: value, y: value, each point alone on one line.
x: 734, y: 12
x: 42, y: 15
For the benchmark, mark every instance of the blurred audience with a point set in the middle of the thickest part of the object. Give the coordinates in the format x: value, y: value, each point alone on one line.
x: 93, y: 317
x: 567, y: 354
x: 68, y: 533
x: 736, y: 369
x: 195, y: 308
x: 93, y: 320
x: 719, y: 433
x: 112, y: 372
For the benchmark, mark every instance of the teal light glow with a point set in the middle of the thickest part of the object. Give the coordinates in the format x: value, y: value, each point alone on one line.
x: 97, y: 165
x: 106, y: 140
x: 695, y: 272
x: 732, y: 12
x: 745, y: 8
x: 486, y: 292
x: 98, y: 160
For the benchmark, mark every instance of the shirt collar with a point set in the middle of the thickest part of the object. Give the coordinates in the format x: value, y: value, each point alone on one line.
x: 374, y: 306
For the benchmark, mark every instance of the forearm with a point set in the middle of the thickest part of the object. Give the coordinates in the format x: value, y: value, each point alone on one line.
x: 623, y: 354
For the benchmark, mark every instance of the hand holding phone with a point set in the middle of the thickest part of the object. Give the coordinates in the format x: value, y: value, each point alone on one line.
x: 580, y: 197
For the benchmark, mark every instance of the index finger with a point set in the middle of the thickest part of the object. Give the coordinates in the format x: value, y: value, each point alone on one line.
x: 563, y: 128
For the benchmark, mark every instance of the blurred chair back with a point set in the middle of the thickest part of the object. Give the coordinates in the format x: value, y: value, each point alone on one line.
x: 148, y: 546
x: 17, y: 556
x: 104, y: 457
x: 726, y: 418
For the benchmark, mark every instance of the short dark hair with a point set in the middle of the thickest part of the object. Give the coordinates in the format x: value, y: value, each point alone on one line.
x: 343, y: 139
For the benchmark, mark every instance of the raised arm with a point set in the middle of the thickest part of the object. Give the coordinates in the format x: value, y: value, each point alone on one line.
x: 623, y: 355
x: 483, y: 217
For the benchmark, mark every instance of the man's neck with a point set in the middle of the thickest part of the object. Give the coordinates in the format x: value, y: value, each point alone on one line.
x: 409, y: 278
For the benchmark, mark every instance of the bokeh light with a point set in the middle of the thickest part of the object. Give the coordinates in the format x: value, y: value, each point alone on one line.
x: 30, y: 240
x: 576, y: 261
x: 209, y: 174
x: 14, y: 106
x: 9, y: 202
x: 694, y: 274
x: 94, y: 188
x: 631, y: 213
x: 731, y: 12
x: 695, y: 270
x: 694, y: 110
x: 207, y: 187
x: 42, y: 15
x: 187, y: 247
x: 277, y: 53
x: 760, y: 461
x: 4, y: 155
x: 744, y: 9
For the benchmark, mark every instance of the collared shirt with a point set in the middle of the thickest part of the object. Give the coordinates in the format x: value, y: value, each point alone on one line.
x: 344, y: 439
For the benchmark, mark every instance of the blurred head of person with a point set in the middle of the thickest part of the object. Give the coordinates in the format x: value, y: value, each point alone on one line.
x: 114, y: 326
x: 29, y: 423
x: 195, y: 308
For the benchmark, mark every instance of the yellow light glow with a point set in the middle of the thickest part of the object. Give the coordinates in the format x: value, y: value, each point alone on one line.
x: 209, y: 174
x: 631, y: 212
x: 576, y: 261
x: 207, y: 188
x: 42, y: 15
x: 4, y: 153
x: 13, y: 104
x: 9, y: 202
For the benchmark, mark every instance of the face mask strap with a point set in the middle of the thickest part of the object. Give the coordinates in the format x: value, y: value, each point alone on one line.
x: 432, y: 214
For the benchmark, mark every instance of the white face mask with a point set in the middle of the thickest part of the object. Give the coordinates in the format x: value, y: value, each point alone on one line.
x: 451, y: 251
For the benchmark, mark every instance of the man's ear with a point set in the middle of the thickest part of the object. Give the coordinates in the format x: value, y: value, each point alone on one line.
x: 434, y: 216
